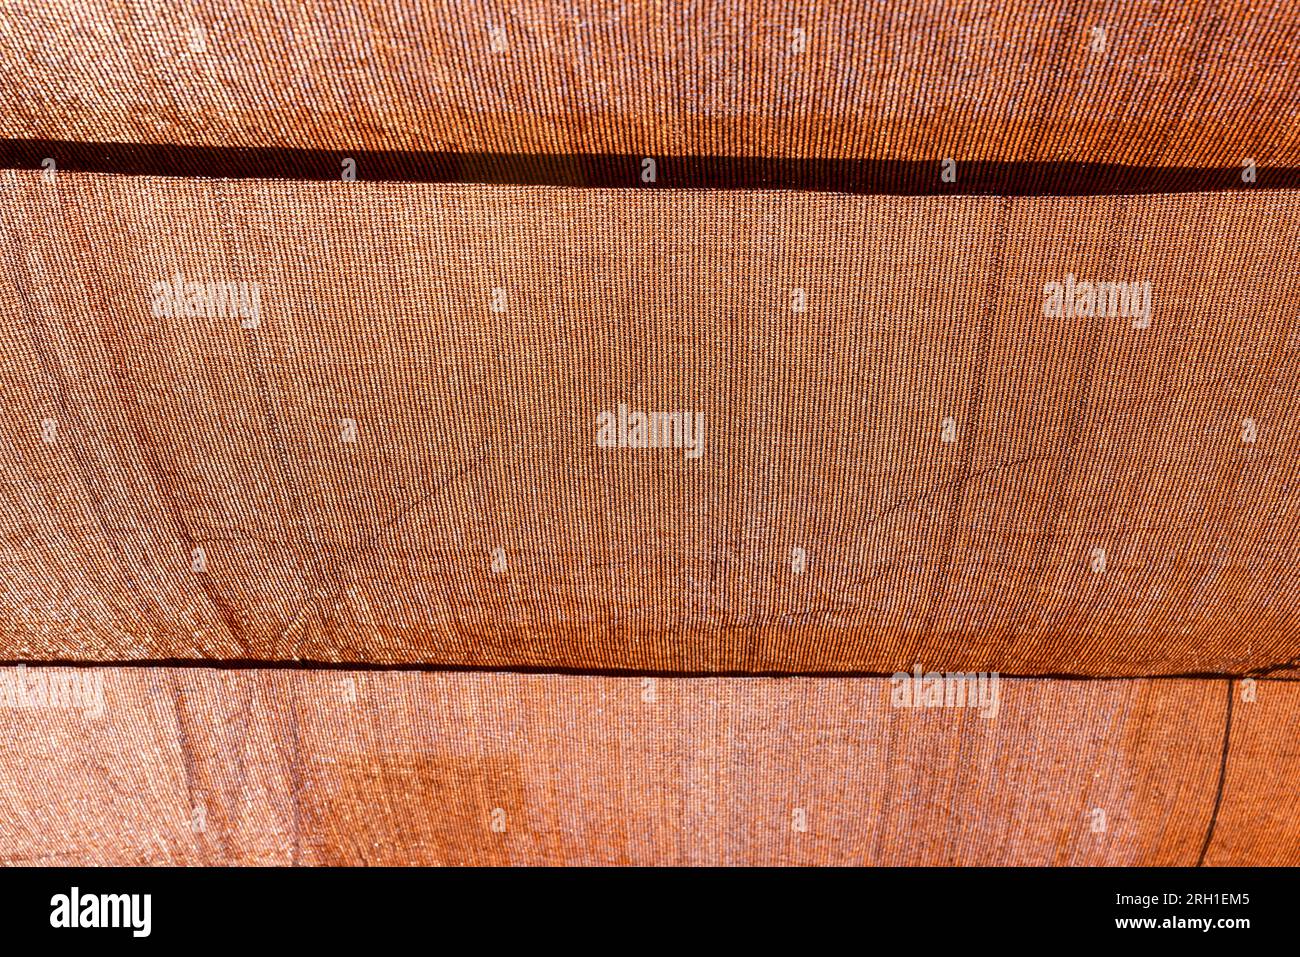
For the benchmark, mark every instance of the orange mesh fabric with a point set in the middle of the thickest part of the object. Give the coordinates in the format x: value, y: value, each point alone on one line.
x: 902, y: 458
x: 390, y: 768
x: 1191, y: 84
x: 707, y: 341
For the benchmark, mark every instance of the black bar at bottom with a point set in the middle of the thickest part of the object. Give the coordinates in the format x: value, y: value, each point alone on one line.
x: 339, y: 908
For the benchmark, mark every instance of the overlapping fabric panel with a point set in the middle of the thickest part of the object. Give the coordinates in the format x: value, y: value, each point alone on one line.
x: 197, y: 766
x: 1140, y: 83
x: 672, y: 430
x: 1257, y: 820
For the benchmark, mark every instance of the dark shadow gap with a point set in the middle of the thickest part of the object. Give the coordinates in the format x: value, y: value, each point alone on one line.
x: 626, y: 171
x: 240, y: 664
